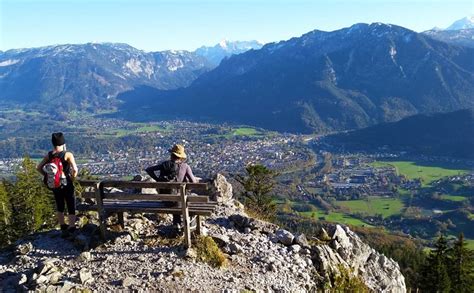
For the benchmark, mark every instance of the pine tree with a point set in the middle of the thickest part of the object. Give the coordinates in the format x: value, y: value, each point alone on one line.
x: 5, y: 216
x: 461, y: 267
x: 257, y: 184
x: 435, y: 276
x: 32, y: 202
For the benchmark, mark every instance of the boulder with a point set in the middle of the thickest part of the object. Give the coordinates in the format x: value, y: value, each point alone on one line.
x: 301, y: 240
x: 284, y: 237
x: 221, y: 190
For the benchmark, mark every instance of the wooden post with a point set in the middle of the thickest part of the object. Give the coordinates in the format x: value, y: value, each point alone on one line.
x: 121, y: 219
x: 185, y: 211
x: 198, y: 225
x: 99, y: 192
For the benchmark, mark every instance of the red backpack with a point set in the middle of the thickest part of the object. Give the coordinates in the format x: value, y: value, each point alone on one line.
x: 54, y: 175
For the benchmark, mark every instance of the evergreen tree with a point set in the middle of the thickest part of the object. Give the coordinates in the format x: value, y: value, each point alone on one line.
x: 435, y: 276
x: 257, y: 184
x: 32, y: 202
x: 461, y: 267
x: 5, y: 215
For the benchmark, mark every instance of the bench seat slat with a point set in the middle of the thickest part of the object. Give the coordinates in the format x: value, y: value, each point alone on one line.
x: 177, y: 211
x: 155, y: 203
x: 132, y: 196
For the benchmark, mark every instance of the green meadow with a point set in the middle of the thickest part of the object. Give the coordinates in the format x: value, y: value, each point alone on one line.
x: 453, y: 197
x: 427, y: 174
x: 336, y: 217
x: 373, y: 206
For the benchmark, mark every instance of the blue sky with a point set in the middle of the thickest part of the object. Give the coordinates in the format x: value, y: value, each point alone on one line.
x: 179, y: 24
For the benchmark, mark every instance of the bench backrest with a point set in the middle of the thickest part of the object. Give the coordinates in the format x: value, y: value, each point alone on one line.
x: 101, y: 186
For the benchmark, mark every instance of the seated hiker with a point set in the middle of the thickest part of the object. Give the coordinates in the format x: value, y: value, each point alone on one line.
x: 173, y: 170
x: 59, y: 169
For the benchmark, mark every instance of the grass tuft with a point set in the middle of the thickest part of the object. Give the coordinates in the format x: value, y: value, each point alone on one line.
x: 208, y: 252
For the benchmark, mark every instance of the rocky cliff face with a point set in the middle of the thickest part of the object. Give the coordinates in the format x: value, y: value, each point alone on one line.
x: 260, y: 255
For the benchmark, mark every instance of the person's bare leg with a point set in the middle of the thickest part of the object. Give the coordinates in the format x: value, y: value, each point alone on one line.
x: 60, y: 217
x: 71, y: 220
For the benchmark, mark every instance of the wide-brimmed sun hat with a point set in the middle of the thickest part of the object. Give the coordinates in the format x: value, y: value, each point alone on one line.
x: 178, y: 151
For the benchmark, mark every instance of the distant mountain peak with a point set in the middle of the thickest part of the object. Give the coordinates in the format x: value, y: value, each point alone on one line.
x: 463, y: 23
x: 226, y: 48
x: 223, y: 43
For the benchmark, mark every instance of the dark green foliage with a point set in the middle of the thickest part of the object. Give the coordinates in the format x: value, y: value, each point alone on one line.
x: 435, y: 276
x: 30, y: 204
x: 5, y: 215
x: 461, y: 268
x: 449, y: 268
x: 258, y: 184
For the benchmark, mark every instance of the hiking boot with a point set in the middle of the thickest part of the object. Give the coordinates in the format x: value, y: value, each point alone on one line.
x: 64, y: 231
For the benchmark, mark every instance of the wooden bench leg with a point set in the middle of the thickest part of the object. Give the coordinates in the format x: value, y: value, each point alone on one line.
x: 121, y: 219
x: 198, y: 225
x: 102, y: 217
x: 185, y: 212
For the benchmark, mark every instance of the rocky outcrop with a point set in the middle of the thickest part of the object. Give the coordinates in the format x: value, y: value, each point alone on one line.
x: 347, y: 250
x: 260, y: 255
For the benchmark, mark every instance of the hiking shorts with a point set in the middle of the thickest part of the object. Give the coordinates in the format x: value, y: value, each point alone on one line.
x: 64, y: 196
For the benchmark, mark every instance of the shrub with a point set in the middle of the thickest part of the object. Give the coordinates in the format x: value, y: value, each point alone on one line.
x: 345, y: 281
x: 207, y: 251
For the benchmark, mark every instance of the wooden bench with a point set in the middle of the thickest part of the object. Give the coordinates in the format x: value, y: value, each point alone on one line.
x: 107, y: 203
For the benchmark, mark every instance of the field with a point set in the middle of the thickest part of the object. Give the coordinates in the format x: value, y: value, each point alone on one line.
x: 427, y: 174
x: 373, y: 206
x: 316, y: 213
x: 470, y: 243
x: 140, y: 128
x: 453, y: 197
x: 335, y: 217
x: 246, y: 131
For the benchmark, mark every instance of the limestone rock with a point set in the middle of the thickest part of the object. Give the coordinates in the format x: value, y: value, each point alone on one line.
x: 347, y: 250
x: 129, y: 281
x: 301, y: 240
x: 85, y: 276
x: 85, y: 256
x: 221, y: 189
x: 284, y: 237
x: 234, y: 248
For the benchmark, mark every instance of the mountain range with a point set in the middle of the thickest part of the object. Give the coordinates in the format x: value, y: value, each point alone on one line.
x: 323, y: 81
x: 441, y: 134
x: 320, y: 82
x: 90, y: 76
x: 87, y: 76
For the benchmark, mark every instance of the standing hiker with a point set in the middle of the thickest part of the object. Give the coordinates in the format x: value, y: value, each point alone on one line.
x: 173, y: 170
x: 59, y: 169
